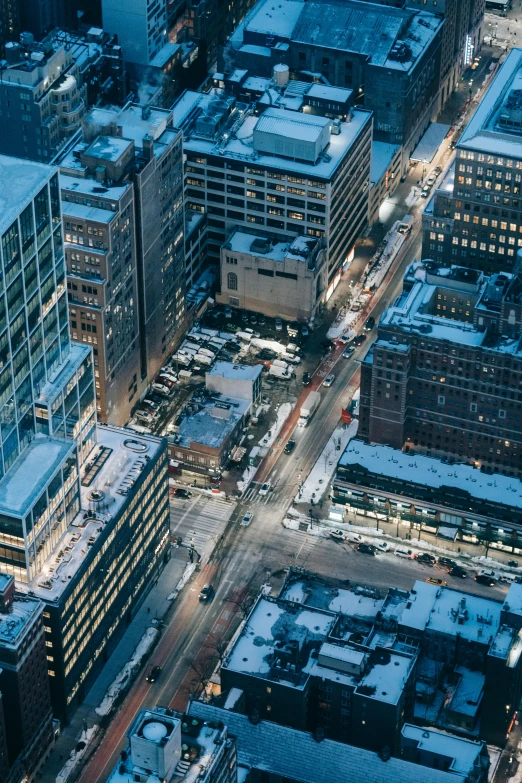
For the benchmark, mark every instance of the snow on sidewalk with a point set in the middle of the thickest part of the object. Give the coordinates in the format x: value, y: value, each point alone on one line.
x: 320, y: 476
x: 82, y: 746
x: 130, y: 668
x: 283, y: 412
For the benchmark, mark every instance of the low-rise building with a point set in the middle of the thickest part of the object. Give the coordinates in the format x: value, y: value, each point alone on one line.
x: 277, y: 276
x: 466, y: 759
x: 242, y: 381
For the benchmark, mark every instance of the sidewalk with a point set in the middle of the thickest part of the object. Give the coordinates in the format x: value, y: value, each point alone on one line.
x: 154, y: 606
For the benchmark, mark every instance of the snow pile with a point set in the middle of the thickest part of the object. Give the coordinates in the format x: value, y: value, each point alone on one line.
x: 283, y: 412
x: 85, y: 740
x: 382, y: 260
x: 344, y: 325
x: 412, y: 196
x: 126, y: 674
x: 248, y: 475
x: 187, y: 573
x: 320, y: 476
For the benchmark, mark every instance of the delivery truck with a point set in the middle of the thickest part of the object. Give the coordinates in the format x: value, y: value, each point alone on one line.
x: 308, y: 408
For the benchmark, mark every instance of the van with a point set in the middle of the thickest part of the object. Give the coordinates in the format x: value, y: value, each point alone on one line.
x: 355, y: 538
x: 206, y: 352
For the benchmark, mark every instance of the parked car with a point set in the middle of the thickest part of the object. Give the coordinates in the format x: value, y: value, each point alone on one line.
x: 355, y: 538
x: 181, y: 492
x: 154, y: 673
x: 228, y: 311
x: 370, y: 323
x: 402, y: 552
x: 437, y: 170
x: 247, y: 519
x: 425, y: 192
x: 265, y: 489
x: 244, y: 316
x: 431, y: 180
x: 426, y: 558
x: 253, y: 319
x: 382, y: 546
x: 458, y: 571
x: 278, y: 325
x: 261, y: 320
x: 289, y: 447
x: 368, y: 549
x: 307, y: 379
x: 483, y: 579
x: 447, y: 562
x: 337, y: 534
x: 304, y: 331
x: 348, y: 352
x: 513, y: 563
x: 328, y: 381
x: 206, y: 592
x: 434, y: 581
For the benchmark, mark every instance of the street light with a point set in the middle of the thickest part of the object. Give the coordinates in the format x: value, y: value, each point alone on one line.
x: 311, y: 512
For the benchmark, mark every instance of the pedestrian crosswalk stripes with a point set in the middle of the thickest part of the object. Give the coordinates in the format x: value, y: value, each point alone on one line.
x: 200, y: 521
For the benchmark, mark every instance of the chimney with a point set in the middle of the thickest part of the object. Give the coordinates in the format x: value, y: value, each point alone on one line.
x: 7, y: 591
x: 148, y: 147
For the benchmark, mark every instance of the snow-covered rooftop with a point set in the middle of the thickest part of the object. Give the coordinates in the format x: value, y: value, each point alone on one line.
x: 244, y: 372
x: 275, y: 17
x: 464, y: 753
x: 83, y: 212
x: 109, y: 148
x: 382, y: 156
x: 212, y: 424
x: 467, y: 696
x: 14, y: 622
x: 451, y: 612
x: 431, y: 472
x: 20, y: 181
x: 90, y: 187
x: 487, y: 129
x: 315, y: 593
x: 296, y: 755
x: 387, y: 676
x: 513, y: 601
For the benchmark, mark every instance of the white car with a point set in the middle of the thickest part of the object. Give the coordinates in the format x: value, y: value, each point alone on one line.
x: 401, y: 552
x: 247, y: 519
x: 328, y: 381
x: 382, y: 546
x: 265, y: 489
x: 337, y: 534
x: 354, y: 538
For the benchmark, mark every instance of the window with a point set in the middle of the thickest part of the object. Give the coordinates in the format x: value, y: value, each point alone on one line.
x: 232, y: 281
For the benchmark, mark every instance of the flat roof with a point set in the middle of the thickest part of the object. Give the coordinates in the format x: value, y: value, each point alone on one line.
x: 244, y: 372
x: 83, y: 212
x: 108, y: 148
x: 483, y: 131
x: 277, y: 18
x: 313, y: 592
x: 386, y: 677
x: 328, y: 93
x: 452, y: 612
x: 164, y: 55
x: 212, y: 424
x: 463, y: 752
x: 296, y: 755
x: 88, y: 186
x: 467, y: 696
x: 20, y: 181
x: 513, y: 600
x: 382, y: 156
x: 13, y: 624
x: 292, y: 124
x: 26, y: 479
x: 432, y: 472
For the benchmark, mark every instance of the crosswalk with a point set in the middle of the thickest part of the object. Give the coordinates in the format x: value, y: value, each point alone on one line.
x: 277, y: 498
x: 200, y: 521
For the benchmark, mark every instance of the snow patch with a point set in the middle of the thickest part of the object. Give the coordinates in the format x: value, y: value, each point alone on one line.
x: 282, y: 415
x: 70, y: 765
x: 321, y: 474
x: 187, y: 573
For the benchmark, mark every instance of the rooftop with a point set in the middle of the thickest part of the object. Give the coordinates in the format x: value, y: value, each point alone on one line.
x: 382, y: 156
x: 21, y: 614
x: 496, y: 126
x: 211, y: 424
x: 89, y: 186
x: 279, y: 18
x: 432, y: 472
x: 317, y: 594
x: 244, y: 372
x: 20, y: 181
x: 109, y: 148
x: 464, y: 753
x: 467, y: 696
x: 83, y: 212
x: 296, y: 755
x: 513, y: 601
x: 387, y: 676
x: 451, y: 612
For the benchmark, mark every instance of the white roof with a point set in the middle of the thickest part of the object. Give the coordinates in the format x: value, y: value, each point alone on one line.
x: 463, y: 752
x: 244, y: 372
x: 388, y: 677
x: 20, y: 181
x: 83, y: 212
x: 431, y: 472
x: 513, y: 602
x: 292, y: 124
x: 329, y: 93
x: 382, y: 156
x: 275, y: 16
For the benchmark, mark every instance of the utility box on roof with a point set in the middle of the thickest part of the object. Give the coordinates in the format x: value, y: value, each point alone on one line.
x: 291, y: 134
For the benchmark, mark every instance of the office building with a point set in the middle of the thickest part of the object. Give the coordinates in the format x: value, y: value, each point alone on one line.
x: 66, y: 511
x: 377, y: 51
x: 166, y: 745
x: 25, y: 703
x: 121, y: 188
x: 283, y: 170
x: 141, y: 27
x: 474, y: 217
x: 444, y: 377
x: 273, y: 275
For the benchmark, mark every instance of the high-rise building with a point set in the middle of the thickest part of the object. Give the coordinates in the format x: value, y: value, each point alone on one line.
x: 77, y: 527
x: 141, y: 27
x: 474, y: 218
x: 444, y: 376
x: 279, y: 163
x: 121, y: 191
x: 25, y: 706
x: 389, y: 57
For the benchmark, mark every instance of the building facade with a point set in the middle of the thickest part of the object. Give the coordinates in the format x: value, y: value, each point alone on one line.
x: 475, y: 216
x: 141, y: 27
x: 444, y: 376
x: 269, y: 275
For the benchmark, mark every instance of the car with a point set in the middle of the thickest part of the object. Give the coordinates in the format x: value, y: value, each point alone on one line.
x: 265, y: 489
x: 359, y: 339
x: 425, y: 192
x: 513, y: 563
x: 228, y: 312
x: 154, y: 673
x: 401, y: 552
x: 426, y: 558
x: 247, y: 519
x: 483, y: 579
x: 382, y: 546
x: 253, y: 319
x: 432, y: 580
x: 328, y: 381
x: 307, y: 378
x: 458, y: 571
x: 431, y: 180
x: 206, y: 592
x: 338, y: 535
x: 232, y: 328
x: 348, y: 352
x: 368, y: 549
x: 278, y: 325
x: 356, y: 308
x: 261, y: 320
x: 289, y: 447
x: 370, y: 323
x: 437, y: 170
x: 244, y: 316
x: 355, y: 538
x: 304, y: 331
x: 180, y: 492
x: 447, y: 562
